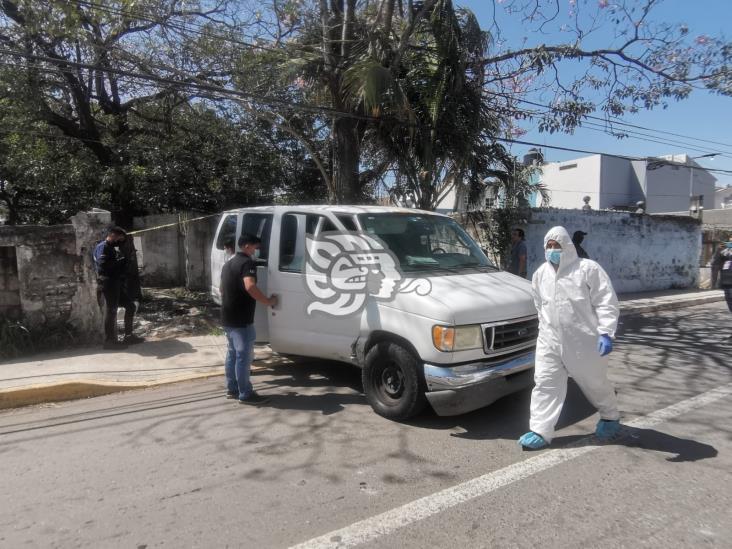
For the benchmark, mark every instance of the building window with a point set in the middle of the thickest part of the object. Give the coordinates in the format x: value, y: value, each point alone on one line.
x: 567, y: 166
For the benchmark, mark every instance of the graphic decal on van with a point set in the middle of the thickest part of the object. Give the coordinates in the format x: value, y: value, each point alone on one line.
x: 343, y: 269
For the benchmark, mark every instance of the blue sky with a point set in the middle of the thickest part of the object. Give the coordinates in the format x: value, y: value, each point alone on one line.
x: 703, y: 115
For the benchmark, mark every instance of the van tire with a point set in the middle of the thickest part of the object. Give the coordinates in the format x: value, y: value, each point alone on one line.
x: 393, y: 381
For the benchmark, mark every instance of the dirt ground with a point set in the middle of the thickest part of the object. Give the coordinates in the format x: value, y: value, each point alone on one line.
x: 176, y: 312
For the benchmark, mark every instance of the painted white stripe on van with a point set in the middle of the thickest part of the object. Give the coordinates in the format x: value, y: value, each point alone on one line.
x: 385, y: 523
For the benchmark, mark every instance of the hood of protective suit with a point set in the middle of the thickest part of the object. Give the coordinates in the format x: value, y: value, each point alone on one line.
x: 569, y: 252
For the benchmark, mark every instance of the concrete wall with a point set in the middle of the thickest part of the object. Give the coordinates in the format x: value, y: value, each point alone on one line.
x: 175, y: 252
x: 52, y: 281
x: 639, y: 252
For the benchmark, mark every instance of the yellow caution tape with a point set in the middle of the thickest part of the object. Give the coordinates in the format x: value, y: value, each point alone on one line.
x: 179, y: 222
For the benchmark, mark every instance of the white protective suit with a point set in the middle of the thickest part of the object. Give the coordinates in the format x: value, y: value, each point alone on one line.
x: 576, y: 304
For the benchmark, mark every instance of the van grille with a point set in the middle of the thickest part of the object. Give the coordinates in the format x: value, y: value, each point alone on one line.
x: 509, y: 336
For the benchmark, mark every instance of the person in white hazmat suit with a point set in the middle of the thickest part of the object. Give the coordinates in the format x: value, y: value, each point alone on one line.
x: 578, y: 316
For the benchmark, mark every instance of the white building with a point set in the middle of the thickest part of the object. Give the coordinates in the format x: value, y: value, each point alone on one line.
x: 673, y: 183
x: 723, y: 198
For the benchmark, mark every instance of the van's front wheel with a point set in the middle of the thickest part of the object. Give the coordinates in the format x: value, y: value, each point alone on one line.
x: 393, y: 381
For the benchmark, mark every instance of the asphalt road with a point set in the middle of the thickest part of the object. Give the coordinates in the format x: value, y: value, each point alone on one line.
x: 180, y: 466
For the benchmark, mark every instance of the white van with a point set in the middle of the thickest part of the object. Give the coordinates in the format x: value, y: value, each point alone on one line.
x: 406, y: 295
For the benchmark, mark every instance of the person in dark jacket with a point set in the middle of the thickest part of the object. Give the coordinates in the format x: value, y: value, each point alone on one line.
x: 131, y: 291
x: 577, y: 239
x: 111, y: 266
x: 722, y: 267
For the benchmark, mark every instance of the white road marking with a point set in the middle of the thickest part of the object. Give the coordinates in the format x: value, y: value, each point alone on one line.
x: 385, y: 523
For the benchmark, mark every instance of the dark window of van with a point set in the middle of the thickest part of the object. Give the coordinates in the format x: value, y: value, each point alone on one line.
x: 259, y: 225
x: 295, y: 227
x: 288, y: 245
x: 227, y: 232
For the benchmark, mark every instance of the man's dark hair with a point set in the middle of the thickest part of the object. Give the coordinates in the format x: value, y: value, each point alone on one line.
x: 520, y: 233
x: 247, y: 238
x: 119, y: 231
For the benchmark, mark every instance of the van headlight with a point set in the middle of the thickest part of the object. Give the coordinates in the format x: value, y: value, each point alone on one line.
x: 457, y: 338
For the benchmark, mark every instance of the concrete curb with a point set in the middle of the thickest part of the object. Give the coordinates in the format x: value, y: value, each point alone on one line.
x: 669, y: 305
x: 80, y: 389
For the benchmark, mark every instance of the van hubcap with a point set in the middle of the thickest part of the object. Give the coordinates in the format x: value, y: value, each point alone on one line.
x: 392, y: 380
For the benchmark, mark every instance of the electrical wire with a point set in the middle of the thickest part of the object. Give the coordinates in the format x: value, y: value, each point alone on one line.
x: 183, y: 27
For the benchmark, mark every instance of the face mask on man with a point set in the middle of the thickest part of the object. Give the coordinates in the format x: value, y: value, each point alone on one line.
x: 729, y: 244
x: 553, y: 256
x: 256, y: 253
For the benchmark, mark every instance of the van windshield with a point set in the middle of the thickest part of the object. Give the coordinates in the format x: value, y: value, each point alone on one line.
x: 425, y: 242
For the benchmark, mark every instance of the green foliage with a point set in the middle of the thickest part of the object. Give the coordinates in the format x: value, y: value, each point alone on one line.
x: 494, y: 227
x: 18, y: 340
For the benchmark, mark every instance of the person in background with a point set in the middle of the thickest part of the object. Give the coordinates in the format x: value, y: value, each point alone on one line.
x: 229, y: 250
x: 717, y: 262
x: 111, y: 266
x: 578, y: 315
x: 131, y: 290
x: 239, y: 297
x: 723, y: 261
x: 519, y: 253
x: 577, y: 238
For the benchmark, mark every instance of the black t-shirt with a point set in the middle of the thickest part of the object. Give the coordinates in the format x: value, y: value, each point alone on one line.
x: 237, y: 306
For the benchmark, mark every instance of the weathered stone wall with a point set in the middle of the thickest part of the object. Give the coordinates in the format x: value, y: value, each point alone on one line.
x: 10, y: 306
x: 48, y: 271
x: 639, y: 252
x: 52, y: 278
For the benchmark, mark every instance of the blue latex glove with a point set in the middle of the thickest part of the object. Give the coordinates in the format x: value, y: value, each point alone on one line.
x: 604, y: 345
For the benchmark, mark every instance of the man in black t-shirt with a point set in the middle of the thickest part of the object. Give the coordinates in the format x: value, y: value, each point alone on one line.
x: 239, y: 296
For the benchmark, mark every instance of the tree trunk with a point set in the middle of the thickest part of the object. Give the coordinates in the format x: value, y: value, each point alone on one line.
x: 346, y: 160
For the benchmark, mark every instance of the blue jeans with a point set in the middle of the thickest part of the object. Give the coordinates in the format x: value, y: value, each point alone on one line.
x: 728, y: 298
x: 239, y: 355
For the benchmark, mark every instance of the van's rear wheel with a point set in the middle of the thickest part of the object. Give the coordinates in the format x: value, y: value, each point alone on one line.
x: 393, y: 381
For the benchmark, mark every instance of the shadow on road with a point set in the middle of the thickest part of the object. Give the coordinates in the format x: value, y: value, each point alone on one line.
x: 648, y: 439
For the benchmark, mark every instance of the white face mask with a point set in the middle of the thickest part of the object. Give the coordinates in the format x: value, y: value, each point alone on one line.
x: 255, y: 254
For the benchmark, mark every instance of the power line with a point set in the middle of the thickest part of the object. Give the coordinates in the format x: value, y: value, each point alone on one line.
x: 618, y: 122
x: 183, y: 27
x: 309, y: 108
x: 611, y: 155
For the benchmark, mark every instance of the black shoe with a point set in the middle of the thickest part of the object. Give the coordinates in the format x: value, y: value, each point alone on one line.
x: 230, y: 394
x: 254, y: 399
x: 132, y: 339
x: 114, y: 345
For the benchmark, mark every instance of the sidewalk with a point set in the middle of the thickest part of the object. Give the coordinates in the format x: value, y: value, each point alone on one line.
x: 83, y: 373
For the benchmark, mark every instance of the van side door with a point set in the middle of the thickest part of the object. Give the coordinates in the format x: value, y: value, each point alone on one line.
x: 292, y: 330
x: 259, y: 224
x: 226, y: 232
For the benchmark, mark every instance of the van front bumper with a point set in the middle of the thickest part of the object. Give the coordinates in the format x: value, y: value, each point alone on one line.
x: 453, y: 390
